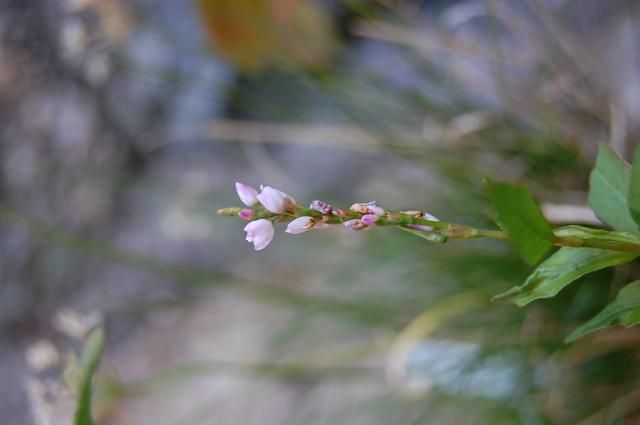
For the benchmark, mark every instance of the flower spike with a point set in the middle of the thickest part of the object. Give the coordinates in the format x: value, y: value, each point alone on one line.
x: 272, y: 205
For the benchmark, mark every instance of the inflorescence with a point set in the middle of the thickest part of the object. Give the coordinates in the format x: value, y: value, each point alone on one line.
x: 272, y: 205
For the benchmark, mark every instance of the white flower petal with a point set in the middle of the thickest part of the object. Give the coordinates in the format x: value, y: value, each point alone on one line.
x: 247, y: 194
x: 300, y: 225
x: 274, y: 200
x: 260, y: 233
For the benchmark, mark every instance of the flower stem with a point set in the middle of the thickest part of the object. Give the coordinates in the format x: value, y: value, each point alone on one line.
x: 601, y: 244
x: 494, y: 234
x: 447, y: 230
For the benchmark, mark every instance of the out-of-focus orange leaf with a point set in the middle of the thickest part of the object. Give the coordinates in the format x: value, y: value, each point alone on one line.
x: 254, y: 34
x: 115, y: 17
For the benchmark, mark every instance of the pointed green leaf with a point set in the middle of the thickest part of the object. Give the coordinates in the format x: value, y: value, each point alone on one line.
x: 91, y: 353
x: 624, y: 310
x: 518, y: 214
x: 609, y: 183
x: 559, y: 270
x: 633, y: 197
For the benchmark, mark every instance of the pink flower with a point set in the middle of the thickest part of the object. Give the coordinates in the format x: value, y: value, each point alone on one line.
x: 355, y: 224
x: 320, y: 206
x: 300, y: 225
x: 260, y: 233
x: 275, y: 200
x: 367, y: 208
x: 369, y: 219
x: 247, y: 194
x: 359, y: 208
x: 372, y: 208
x: 246, y: 214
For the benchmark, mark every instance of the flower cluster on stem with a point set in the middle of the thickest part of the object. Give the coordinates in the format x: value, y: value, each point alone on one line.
x: 272, y: 205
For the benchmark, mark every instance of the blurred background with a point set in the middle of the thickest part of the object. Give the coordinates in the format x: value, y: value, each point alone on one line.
x: 124, y: 124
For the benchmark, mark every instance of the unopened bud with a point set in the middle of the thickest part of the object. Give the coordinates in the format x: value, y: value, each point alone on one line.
x: 355, y: 224
x: 359, y: 208
x: 414, y: 213
x: 246, y: 214
x: 321, y: 206
x: 369, y: 219
x: 247, y: 194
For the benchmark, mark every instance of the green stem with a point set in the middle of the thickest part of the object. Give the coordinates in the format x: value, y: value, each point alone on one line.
x: 448, y: 230
x: 601, y: 244
x: 493, y: 234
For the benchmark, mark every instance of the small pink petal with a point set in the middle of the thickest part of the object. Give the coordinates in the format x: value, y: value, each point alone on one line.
x: 369, y: 219
x: 246, y: 214
x: 320, y: 206
x: 359, y: 208
x: 374, y: 209
x: 355, y: 224
x: 260, y: 233
x: 247, y: 194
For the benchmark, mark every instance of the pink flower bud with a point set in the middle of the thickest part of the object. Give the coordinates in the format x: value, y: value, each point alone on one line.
x: 300, y: 225
x: 246, y: 214
x: 369, y: 219
x: 260, y: 233
x: 275, y: 200
x: 367, y: 208
x: 374, y: 209
x: 320, y: 206
x: 355, y: 224
x: 247, y: 194
x: 359, y: 208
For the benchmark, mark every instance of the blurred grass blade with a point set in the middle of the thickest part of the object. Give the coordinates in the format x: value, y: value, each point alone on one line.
x: 624, y: 310
x: 423, y: 325
x: 91, y: 353
x: 634, y: 188
x: 430, y: 236
x: 609, y: 183
x: 559, y: 270
x: 604, y: 238
x: 518, y: 214
x: 361, y: 312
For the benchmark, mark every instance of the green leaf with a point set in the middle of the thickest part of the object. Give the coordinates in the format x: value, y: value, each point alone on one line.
x: 609, y: 183
x: 559, y: 270
x: 518, y: 214
x: 605, y: 239
x: 624, y: 310
x: 91, y: 353
x: 430, y: 236
x: 633, y: 197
